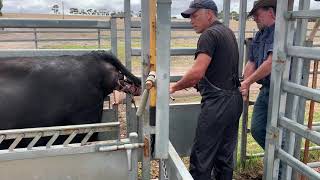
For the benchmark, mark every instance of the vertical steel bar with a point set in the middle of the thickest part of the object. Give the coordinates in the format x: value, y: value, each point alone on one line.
x: 241, y: 42
x: 226, y: 12
x: 163, y: 78
x: 131, y: 123
x: 133, y: 172
x: 293, y: 108
x: 244, y: 132
x: 114, y: 36
x: 278, y: 68
x: 99, y: 38
x: 145, y: 124
x: 242, y: 33
x: 35, y: 38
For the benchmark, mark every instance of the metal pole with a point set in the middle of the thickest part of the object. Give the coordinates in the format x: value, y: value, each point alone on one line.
x: 294, y: 102
x: 114, y: 36
x: 226, y: 12
x: 244, y: 133
x: 242, y: 33
x: 145, y: 46
x: 99, y: 39
x: 35, y: 38
x: 278, y: 66
x: 163, y: 78
x: 131, y: 120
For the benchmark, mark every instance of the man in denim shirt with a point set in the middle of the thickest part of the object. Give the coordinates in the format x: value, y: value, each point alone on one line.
x: 258, y: 68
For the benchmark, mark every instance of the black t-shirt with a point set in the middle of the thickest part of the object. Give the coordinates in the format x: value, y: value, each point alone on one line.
x: 220, y: 44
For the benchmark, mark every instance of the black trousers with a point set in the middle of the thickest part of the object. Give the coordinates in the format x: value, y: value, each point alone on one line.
x: 216, y: 137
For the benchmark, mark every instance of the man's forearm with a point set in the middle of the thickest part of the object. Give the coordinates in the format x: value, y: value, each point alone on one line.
x: 249, y: 69
x: 188, y: 80
x: 263, y: 71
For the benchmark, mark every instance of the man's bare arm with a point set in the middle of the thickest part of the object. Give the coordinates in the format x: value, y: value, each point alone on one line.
x: 262, y: 71
x: 193, y: 75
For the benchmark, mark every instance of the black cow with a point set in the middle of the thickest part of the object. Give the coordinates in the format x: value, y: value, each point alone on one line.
x: 57, y: 91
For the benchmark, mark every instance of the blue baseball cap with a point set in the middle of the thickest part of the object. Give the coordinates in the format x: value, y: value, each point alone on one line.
x: 199, y: 4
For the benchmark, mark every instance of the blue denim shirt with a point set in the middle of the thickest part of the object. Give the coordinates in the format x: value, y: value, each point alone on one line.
x: 262, y: 46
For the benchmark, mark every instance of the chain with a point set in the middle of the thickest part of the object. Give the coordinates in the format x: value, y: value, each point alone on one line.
x: 164, y: 167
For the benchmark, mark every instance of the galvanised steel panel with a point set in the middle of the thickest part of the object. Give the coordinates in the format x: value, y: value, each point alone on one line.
x: 93, y: 166
x: 183, y: 123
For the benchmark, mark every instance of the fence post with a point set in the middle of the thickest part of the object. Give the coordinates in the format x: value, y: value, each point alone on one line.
x: 114, y: 43
x: 99, y: 38
x: 35, y: 38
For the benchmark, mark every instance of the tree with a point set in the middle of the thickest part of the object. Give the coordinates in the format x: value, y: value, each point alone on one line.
x: 74, y: 11
x: 55, y: 9
x: 1, y: 5
x: 234, y: 15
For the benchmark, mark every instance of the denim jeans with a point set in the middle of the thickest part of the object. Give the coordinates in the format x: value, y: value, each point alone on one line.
x: 259, y: 116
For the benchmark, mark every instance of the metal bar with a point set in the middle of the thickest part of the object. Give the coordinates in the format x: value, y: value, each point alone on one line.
x: 64, y: 130
x: 313, y: 148
x: 298, y: 165
x: 87, y: 137
x: 245, y: 116
x: 2, y: 137
x: 241, y: 45
x: 303, y: 91
x: 133, y: 160
x: 174, y: 161
x: 16, y: 142
x: 99, y: 39
x: 275, y: 105
x: 44, y: 52
x: 131, y: 123
x: 163, y: 78
x: 145, y: 124
x: 48, y: 23
x: 35, y: 38
x: 58, y: 150
x: 242, y: 29
x: 300, y: 129
x: 34, y: 141
x: 226, y: 12
x: 314, y: 164
x: 174, y: 52
x: 295, y: 36
x: 70, y: 138
x: 52, y: 139
x: 174, y: 25
x: 309, y: 53
x: 303, y: 14
x: 114, y: 36
x: 46, y: 40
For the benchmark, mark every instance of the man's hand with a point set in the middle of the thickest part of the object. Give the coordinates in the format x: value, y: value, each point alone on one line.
x: 244, y: 89
x: 172, y: 89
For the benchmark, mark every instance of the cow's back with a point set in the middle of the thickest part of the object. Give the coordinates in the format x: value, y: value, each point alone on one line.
x: 50, y: 91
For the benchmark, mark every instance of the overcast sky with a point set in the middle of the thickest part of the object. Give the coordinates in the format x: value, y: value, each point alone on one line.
x: 45, y: 6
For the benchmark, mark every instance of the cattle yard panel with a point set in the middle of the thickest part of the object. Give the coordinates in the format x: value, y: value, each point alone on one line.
x: 114, y: 159
x: 285, y: 120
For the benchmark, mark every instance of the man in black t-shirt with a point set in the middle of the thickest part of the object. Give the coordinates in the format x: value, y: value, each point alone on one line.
x: 215, y: 72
